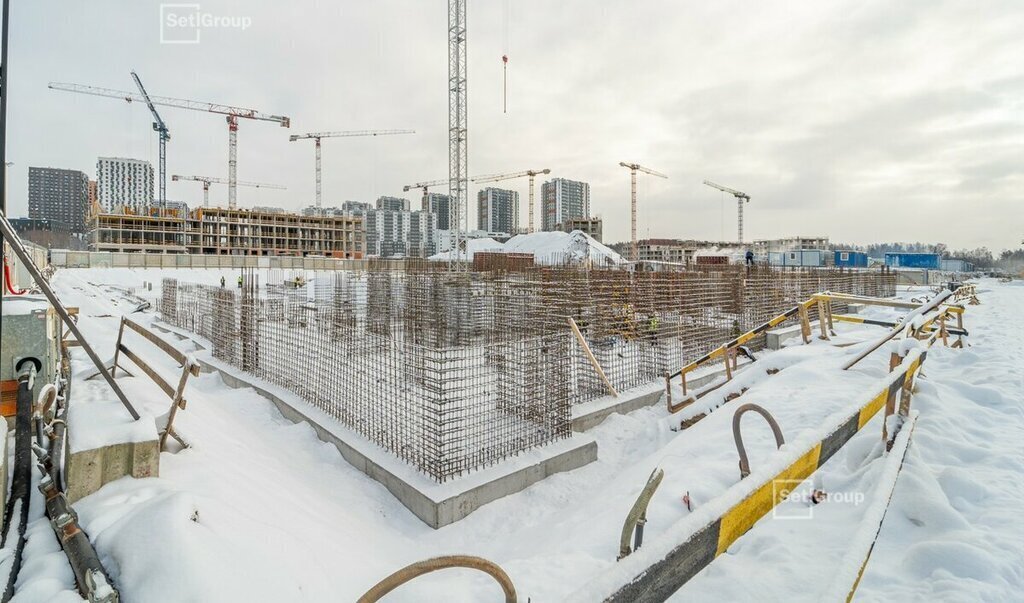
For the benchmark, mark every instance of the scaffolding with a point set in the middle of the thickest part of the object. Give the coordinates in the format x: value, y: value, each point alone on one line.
x: 455, y: 371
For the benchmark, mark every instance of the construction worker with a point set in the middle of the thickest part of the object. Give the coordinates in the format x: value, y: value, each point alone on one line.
x: 750, y: 257
x: 222, y: 281
x: 652, y: 329
x: 239, y: 281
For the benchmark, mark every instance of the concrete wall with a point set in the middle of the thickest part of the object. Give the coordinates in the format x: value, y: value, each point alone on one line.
x: 64, y: 258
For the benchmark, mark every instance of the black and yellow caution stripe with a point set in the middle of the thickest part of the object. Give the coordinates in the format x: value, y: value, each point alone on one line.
x: 684, y: 561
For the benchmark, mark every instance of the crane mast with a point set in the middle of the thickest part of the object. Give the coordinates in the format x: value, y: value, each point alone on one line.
x: 231, y: 112
x: 741, y: 198
x: 634, y: 253
x: 316, y: 136
x: 165, y: 135
x: 499, y: 177
x: 458, y: 155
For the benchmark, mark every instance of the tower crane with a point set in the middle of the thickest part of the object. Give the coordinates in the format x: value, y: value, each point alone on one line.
x: 498, y: 177
x: 165, y: 135
x: 741, y: 198
x: 232, y: 113
x: 316, y: 136
x: 208, y: 180
x: 441, y: 224
x: 633, y: 169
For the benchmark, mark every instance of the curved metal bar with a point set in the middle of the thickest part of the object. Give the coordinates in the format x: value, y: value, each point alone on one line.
x: 638, y: 514
x: 779, y: 440
x: 426, y: 566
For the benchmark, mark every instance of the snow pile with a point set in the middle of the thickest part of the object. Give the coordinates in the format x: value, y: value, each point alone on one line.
x: 557, y: 247
x: 554, y: 247
x: 472, y: 246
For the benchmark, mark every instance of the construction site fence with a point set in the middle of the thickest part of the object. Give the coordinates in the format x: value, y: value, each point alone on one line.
x: 20, y: 276
x: 454, y: 371
x: 64, y: 258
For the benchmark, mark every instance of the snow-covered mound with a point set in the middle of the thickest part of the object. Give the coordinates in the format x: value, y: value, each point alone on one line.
x: 557, y: 247
x: 554, y: 247
x: 472, y: 246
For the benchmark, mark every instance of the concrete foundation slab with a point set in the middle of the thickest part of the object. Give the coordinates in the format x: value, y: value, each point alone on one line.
x: 775, y: 337
x: 435, y: 504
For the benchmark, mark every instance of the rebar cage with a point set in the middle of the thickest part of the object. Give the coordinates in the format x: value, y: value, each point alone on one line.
x: 455, y: 371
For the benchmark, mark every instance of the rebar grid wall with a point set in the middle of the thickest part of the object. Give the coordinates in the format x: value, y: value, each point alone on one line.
x: 454, y: 371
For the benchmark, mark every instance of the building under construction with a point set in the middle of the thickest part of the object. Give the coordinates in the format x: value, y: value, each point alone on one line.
x: 221, y: 231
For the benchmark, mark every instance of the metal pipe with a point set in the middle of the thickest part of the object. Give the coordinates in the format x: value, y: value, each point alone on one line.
x: 934, y: 303
x: 419, y: 568
x: 93, y: 582
x: 19, y: 250
x: 738, y: 437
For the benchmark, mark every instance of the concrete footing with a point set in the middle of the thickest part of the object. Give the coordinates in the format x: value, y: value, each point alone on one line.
x: 86, y: 471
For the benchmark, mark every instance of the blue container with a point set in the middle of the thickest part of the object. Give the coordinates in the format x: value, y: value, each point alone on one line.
x: 928, y: 261
x: 851, y: 259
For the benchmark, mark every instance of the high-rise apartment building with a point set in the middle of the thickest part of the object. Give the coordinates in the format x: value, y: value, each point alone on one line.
x: 124, y: 183
x: 498, y: 210
x: 59, y: 196
x: 563, y: 200
x: 394, y: 231
x: 439, y: 205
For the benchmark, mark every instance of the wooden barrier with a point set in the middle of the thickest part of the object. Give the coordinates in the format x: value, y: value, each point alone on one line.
x: 188, y: 367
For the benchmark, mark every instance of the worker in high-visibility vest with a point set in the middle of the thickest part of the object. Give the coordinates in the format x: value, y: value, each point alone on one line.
x: 239, y: 281
x: 652, y: 329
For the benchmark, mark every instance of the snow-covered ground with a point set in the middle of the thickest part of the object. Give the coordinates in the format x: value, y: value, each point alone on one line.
x: 259, y: 509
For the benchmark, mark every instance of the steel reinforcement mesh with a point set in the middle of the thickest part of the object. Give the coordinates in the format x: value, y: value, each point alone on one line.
x: 455, y: 371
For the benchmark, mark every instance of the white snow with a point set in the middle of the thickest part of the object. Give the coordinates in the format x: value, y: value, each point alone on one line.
x: 554, y: 247
x: 260, y: 509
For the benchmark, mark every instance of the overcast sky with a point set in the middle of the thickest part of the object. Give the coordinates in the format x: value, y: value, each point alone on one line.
x: 865, y: 121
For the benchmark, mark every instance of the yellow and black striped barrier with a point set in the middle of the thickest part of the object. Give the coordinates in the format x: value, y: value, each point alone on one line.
x: 660, y: 580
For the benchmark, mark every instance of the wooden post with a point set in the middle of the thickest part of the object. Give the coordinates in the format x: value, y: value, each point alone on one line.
x: 682, y: 377
x: 822, y: 320
x: 942, y: 330
x: 728, y: 365
x: 805, y: 324
x: 828, y: 312
x: 178, y: 402
x: 590, y: 356
x: 117, y: 348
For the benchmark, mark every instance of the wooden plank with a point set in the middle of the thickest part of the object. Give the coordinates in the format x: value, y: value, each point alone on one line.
x: 590, y: 356
x: 148, y: 370
x: 176, y: 403
x: 171, y: 351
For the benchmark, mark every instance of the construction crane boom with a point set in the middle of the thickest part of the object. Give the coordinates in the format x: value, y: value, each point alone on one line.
x: 165, y: 135
x: 231, y: 112
x: 208, y: 180
x: 498, y: 177
x: 633, y: 169
x: 316, y: 136
x: 443, y: 222
x: 741, y: 197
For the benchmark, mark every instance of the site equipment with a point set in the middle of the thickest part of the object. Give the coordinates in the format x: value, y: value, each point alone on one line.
x: 316, y: 136
x: 633, y: 169
x: 165, y: 135
x: 741, y: 198
x: 232, y: 113
x: 208, y: 180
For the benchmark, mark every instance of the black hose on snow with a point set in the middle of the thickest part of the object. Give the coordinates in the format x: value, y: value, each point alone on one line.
x: 21, y: 483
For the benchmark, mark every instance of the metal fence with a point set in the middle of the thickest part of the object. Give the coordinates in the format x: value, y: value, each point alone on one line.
x: 456, y: 371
